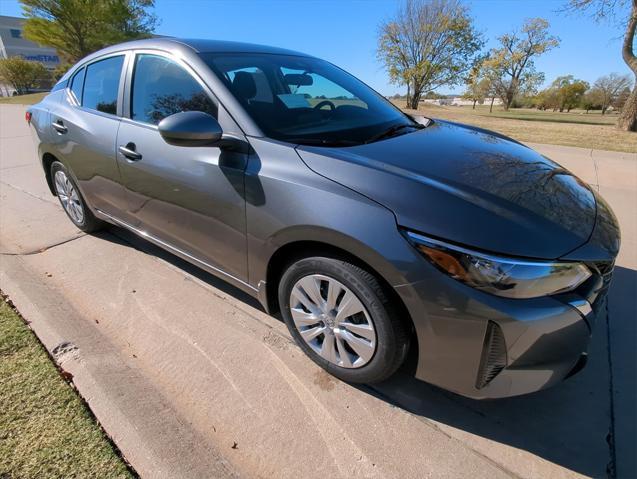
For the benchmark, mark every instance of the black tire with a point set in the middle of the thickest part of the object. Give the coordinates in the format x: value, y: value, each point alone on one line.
x: 89, y: 223
x: 392, y: 332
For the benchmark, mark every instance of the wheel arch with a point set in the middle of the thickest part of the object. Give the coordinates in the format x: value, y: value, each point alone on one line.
x: 295, y: 250
x: 47, y: 161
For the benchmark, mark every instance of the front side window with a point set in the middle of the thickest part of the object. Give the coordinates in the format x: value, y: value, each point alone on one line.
x: 306, y: 100
x: 77, y: 84
x: 102, y: 84
x: 162, y: 88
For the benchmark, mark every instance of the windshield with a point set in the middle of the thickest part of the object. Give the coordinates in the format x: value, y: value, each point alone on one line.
x: 307, y: 100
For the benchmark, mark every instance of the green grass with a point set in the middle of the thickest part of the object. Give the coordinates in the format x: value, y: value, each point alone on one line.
x: 30, y: 99
x: 45, y: 428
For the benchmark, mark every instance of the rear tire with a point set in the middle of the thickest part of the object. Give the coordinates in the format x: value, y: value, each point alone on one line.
x: 72, y: 201
x: 342, y: 318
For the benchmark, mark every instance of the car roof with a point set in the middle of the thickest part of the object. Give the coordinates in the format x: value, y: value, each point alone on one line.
x: 184, y: 45
x: 222, y: 46
x: 196, y: 45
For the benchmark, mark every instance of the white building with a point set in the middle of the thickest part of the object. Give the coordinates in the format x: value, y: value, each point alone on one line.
x: 12, y: 44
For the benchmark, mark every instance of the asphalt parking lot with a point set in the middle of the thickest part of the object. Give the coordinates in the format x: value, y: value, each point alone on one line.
x: 192, y: 379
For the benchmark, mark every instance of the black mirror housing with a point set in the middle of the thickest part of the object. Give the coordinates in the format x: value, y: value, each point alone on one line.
x: 298, y: 79
x: 190, y: 128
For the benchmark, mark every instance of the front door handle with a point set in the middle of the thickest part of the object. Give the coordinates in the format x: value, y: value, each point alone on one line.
x: 129, y: 152
x: 58, y: 125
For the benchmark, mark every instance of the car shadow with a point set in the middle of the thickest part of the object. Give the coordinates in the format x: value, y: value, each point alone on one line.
x: 576, y: 424
x: 571, y: 424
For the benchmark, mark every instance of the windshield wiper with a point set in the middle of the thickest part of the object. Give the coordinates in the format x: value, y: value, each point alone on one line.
x: 394, y: 129
x: 323, y: 142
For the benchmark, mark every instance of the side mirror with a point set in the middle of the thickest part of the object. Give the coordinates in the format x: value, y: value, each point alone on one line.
x: 190, y: 128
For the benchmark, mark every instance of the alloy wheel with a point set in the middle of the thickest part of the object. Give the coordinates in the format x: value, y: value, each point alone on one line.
x: 69, y: 197
x: 333, y: 321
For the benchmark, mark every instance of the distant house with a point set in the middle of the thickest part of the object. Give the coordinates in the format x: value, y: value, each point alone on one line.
x: 437, y: 101
x: 459, y: 101
x: 13, y: 44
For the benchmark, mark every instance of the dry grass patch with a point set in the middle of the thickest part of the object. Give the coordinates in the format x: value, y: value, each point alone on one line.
x: 30, y: 99
x: 571, y: 129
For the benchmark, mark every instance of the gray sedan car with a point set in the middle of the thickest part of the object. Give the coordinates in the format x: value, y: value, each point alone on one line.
x: 371, y: 231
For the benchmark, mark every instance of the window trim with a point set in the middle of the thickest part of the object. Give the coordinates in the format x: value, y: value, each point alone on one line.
x: 120, y: 89
x: 128, y: 83
x: 77, y: 101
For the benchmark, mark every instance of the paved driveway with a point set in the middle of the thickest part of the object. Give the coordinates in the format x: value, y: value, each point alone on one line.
x: 192, y: 379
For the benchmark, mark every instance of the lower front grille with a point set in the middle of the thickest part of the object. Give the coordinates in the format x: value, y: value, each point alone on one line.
x: 494, y: 355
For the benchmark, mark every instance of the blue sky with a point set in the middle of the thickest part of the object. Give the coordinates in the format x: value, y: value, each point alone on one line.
x: 344, y: 32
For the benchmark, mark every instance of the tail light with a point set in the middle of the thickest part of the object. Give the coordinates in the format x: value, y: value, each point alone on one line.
x: 27, y: 116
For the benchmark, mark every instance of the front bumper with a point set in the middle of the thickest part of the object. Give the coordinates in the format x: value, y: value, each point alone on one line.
x: 484, y: 346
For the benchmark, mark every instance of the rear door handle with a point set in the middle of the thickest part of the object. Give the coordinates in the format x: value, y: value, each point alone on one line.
x: 58, y: 125
x: 129, y: 152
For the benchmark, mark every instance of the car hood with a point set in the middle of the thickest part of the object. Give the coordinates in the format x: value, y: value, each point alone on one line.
x: 469, y: 186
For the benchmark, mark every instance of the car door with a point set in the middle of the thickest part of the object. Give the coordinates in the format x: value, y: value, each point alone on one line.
x: 84, y: 130
x: 189, y: 198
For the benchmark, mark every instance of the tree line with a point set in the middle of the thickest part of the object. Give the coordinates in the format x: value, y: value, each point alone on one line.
x: 564, y: 94
x: 428, y: 44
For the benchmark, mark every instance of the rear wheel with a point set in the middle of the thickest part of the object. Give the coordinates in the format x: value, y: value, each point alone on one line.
x: 341, y: 317
x: 72, y: 201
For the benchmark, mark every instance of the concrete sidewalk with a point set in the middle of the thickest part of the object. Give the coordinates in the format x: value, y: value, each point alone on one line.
x: 191, y: 379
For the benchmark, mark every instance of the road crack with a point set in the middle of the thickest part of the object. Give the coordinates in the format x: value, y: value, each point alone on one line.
x: 44, y: 248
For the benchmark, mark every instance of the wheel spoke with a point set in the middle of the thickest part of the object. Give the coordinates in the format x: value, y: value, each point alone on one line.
x: 333, y: 290
x: 343, y: 354
x: 364, y: 330
x: 79, y: 213
x: 312, y: 289
x: 60, y: 184
x: 301, y: 318
x: 349, y: 306
x: 311, y: 333
x: 362, y: 347
x: 328, y: 350
x: 302, y: 298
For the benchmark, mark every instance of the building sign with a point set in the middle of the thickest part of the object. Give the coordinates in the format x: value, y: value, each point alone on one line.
x: 42, y: 58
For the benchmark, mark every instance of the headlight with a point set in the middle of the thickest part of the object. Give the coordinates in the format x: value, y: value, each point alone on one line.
x: 506, y: 277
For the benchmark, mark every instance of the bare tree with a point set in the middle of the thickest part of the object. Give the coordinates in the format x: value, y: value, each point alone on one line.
x: 511, y: 66
x: 428, y: 44
x: 607, y: 89
x: 608, y: 10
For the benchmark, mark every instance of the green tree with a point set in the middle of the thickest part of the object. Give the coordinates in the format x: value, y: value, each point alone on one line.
x: 478, y: 86
x: 428, y: 44
x: 23, y: 75
x: 569, y: 91
x: 591, y: 101
x: 511, y: 65
x: 76, y: 28
x: 548, y: 99
x: 603, y: 10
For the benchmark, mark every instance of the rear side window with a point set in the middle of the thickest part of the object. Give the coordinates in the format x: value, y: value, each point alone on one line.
x: 162, y: 88
x: 77, y: 84
x: 102, y: 84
